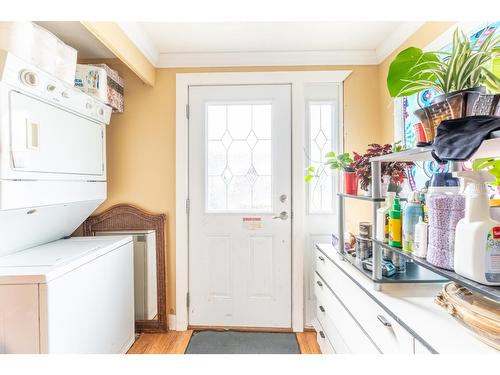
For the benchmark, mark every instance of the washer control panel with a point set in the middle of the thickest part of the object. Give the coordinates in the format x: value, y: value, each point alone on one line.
x: 25, y: 77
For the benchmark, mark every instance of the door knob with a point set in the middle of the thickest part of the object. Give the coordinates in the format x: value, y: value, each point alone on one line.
x: 283, y: 215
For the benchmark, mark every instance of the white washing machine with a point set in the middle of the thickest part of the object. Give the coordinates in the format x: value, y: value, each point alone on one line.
x: 57, y: 295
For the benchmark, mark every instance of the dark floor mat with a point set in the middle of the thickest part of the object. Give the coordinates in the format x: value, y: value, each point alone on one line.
x: 234, y: 342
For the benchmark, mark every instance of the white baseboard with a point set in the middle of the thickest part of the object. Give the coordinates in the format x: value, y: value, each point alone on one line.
x: 172, y: 322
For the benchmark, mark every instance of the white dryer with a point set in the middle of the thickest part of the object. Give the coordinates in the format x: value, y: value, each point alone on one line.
x: 57, y: 295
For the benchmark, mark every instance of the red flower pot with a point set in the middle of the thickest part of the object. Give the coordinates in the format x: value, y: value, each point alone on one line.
x: 350, y: 183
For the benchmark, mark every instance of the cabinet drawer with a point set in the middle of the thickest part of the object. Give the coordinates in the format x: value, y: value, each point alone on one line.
x: 324, y: 343
x: 344, y: 332
x: 420, y: 348
x: 388, y: 335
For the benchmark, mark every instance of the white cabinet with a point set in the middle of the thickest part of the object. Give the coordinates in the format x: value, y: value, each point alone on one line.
x: 352, y: 321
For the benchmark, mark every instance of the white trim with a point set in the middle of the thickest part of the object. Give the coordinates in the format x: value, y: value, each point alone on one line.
x: 397, y: 38
x: 141, y: 40
x: 272, y: 58
x: 224, y: 59
x: 172, y: 322
x: 297, y: 80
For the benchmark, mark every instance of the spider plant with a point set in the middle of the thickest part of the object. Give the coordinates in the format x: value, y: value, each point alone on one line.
x: 465, y: 66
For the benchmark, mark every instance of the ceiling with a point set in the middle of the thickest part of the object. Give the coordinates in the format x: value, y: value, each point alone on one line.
x: 224, y: 43
x: 205, y: 44
x: 267, y: 36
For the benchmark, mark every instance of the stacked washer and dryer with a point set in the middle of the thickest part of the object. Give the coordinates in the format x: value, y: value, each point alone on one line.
x: 57, y: 294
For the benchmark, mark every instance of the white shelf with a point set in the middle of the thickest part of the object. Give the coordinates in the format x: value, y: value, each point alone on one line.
x: 489, y: 148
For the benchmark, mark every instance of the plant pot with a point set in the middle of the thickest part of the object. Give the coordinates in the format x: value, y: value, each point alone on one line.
x: 474, y: 90
x: 350, y: 182
x: 368, y: 191
x: 458, y: 104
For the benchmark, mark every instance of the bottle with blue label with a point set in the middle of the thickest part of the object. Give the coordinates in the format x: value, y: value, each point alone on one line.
x: 412, y: 213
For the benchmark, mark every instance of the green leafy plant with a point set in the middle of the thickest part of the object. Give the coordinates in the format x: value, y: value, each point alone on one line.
x: 491, y: 165
x: 333, y: 161
x: 465, y: 67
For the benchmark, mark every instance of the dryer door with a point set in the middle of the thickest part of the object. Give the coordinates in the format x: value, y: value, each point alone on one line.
x: 49, y: 141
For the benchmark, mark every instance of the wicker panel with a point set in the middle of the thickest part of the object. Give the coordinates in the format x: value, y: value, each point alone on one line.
x: 126, y: 217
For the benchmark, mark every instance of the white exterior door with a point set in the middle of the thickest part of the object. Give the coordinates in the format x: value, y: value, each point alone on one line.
x: 240, y: 206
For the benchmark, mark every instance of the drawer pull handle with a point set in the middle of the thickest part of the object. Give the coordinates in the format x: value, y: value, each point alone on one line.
x: 322, y: 309
x: 321, y: 258
x: 319, y: 283
x: 322, y: 334
x: 384, y: 321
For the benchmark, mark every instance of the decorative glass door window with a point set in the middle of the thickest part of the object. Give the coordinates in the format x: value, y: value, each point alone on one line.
x: 320, y: 142
x: 238, y: 157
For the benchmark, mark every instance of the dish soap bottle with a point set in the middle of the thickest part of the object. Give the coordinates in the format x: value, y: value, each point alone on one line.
x: 395, y: 230
x: 412, y: 212
x: 382, y: 232
x: 477, y: 239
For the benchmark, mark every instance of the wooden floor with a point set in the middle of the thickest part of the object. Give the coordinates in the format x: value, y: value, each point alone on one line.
x: 174, y: 342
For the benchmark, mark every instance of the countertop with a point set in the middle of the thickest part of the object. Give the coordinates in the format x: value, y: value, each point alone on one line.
x: 413, y: 306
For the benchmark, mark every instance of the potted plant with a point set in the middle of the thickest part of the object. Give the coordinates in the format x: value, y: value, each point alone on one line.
x: 342, y: 162
x: 392, y: 172
x: 462, y: 77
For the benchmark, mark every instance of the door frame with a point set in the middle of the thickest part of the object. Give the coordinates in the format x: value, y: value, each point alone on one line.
x: 298, y: 81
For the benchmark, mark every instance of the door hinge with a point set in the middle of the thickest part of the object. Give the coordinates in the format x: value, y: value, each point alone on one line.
x: 187, y: 111
x: 188, y: 205
x: 187, y: 299
x: 291, y: 214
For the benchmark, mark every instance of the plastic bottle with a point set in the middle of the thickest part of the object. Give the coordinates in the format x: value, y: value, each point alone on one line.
x: 395, y: 227
x: 411, y: 214
x: 477, y: 240
x: 420, y: 248
x: 382, y: 232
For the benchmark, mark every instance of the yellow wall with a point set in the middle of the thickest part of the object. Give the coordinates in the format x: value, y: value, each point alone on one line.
x: 421, y: 38
x: 141, y: 141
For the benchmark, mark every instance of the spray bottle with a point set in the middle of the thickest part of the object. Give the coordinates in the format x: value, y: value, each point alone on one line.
x: 477, y: 240
x: 382, y: 230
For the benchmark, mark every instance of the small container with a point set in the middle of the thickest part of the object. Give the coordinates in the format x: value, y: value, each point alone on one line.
x: 365, y: 229
x: 399, y: 262
x: 420, y: 249
x: 363, y: 248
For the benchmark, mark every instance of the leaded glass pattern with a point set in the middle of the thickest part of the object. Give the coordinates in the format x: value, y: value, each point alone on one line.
x: 321, y: 116
x: 239, y: 157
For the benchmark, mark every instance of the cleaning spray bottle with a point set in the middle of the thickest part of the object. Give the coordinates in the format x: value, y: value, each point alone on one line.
x: 382, y: 230
x: 477, y: 240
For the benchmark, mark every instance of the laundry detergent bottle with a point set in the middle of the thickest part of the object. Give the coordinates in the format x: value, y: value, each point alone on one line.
x: 477, y: 239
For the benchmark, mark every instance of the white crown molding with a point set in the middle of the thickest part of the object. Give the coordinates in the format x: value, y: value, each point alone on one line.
x: 141, y: 40
x: 289, y: 58
x: 225, y: 59
x: 397, y: 37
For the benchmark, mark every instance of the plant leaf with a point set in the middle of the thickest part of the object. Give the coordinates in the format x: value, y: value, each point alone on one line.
x: 401, y: 69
